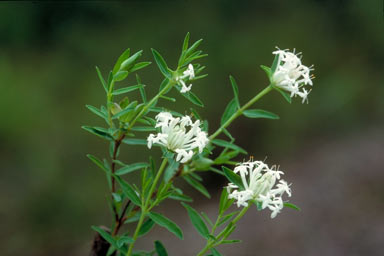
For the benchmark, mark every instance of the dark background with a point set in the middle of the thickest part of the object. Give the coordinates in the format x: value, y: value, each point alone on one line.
x: 332, y: 149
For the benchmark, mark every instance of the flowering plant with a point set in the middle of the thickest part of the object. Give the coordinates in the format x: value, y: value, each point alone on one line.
x: 186, y: 145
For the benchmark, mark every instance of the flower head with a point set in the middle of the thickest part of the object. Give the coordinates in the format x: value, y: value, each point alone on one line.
x: 189, y: 74
x: 259, y: 182
x: 291, y: 75
x: 175, y: 136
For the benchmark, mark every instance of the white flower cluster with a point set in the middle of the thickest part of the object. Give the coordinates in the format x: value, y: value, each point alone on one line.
x: 291, y: 75
x: 259, y: 181
x: 175, y: 137
x: 190, y: 73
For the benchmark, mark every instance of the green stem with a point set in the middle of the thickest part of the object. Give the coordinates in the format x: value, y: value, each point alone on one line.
x: 212, y: 243
x: 147, y: 106
x: 146, y: 207
x: 240, y: 111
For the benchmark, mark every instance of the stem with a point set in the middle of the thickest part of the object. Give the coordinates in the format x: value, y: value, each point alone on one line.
x: 120, y: 139
x: 144, y: 209
x: 211, y: 243
x: 147, y: 106
x: 241, y: 110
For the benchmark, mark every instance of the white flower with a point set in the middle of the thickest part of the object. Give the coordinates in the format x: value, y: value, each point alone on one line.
x: 176, y: 137
x: 259, y: 183
x: 291, y: 75
x: 189, y: 73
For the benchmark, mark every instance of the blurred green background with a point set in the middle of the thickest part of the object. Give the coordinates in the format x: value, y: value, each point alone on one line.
x: 332, y: 149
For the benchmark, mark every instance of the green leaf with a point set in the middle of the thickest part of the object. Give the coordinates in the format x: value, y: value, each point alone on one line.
x: 97, y: 112
x: 228, y: 216
x: 274, y: 63
x: 131, y: 168
x: 160, y: 249
x: 267, y: 71
x: 192, y: 49
x: 140, y: 65
x: 128, y: 191
x: 233, y: 177
x: 259, y: 113
x: 146, y: 227
x: 197, y: 185
x: 229, y: 111
x: 207, y: 219
x: 142, y: 91
x: 161, y: 64
x: 195, y: 114
x: 193, y: 98
x: 293, y: 206
x: 180, y: 197
x: 223, y: 200
x: 171, y: 170
x: 123, y: 57
x: 166, y: 223
x: 231, y: 241
x: 135, y: 141
x: 98, y: 162
x: 227, y: 144
x: 120, y: 75
x: 235, y: 90
x: 286, y: 96
x: 143, y: 129
x: 127, y: 64
x: 101, y: 132
x: 197, y: 221
x: 127, y: 89
x: 102, y: 79
x: 124, y: 240
x: 215, y: 252
x: 104, y: 234
x: 186, y: 41
x: 124, y: 111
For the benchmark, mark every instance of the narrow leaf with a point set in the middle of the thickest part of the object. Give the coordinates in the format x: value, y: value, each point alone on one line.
x: 197, y: 185
x: 274, y: 63
x: 166, y: 223
x: 101, y: 132
x: 229, y: 111
x: 160, y: 249
x: 171, y: 170
x: 267, y: 71
x: 128, y: 191
x: 215, y: 252
x: 120, y: 75
x: 131, y: 168
x: 227, y: 144
x: 197, y: 221
x: 102, y: 79
x: 146, y: 227
x: 104, y: 234
x: 123, y: 57
x: 97, y: 112
x: 235, y: 90
x: 140, y: 65
x: 193, y: 98
x: 286, y: 96
x: 230, y: 241
x: 135, y: 141
x: 207, y: 219
x: 232, y: 177
x: 161, y: 64
x: 259, y: 113
x: 127, y: 89
x: 98, y: 162
x: 186, y: 41
x: 293, y: 206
